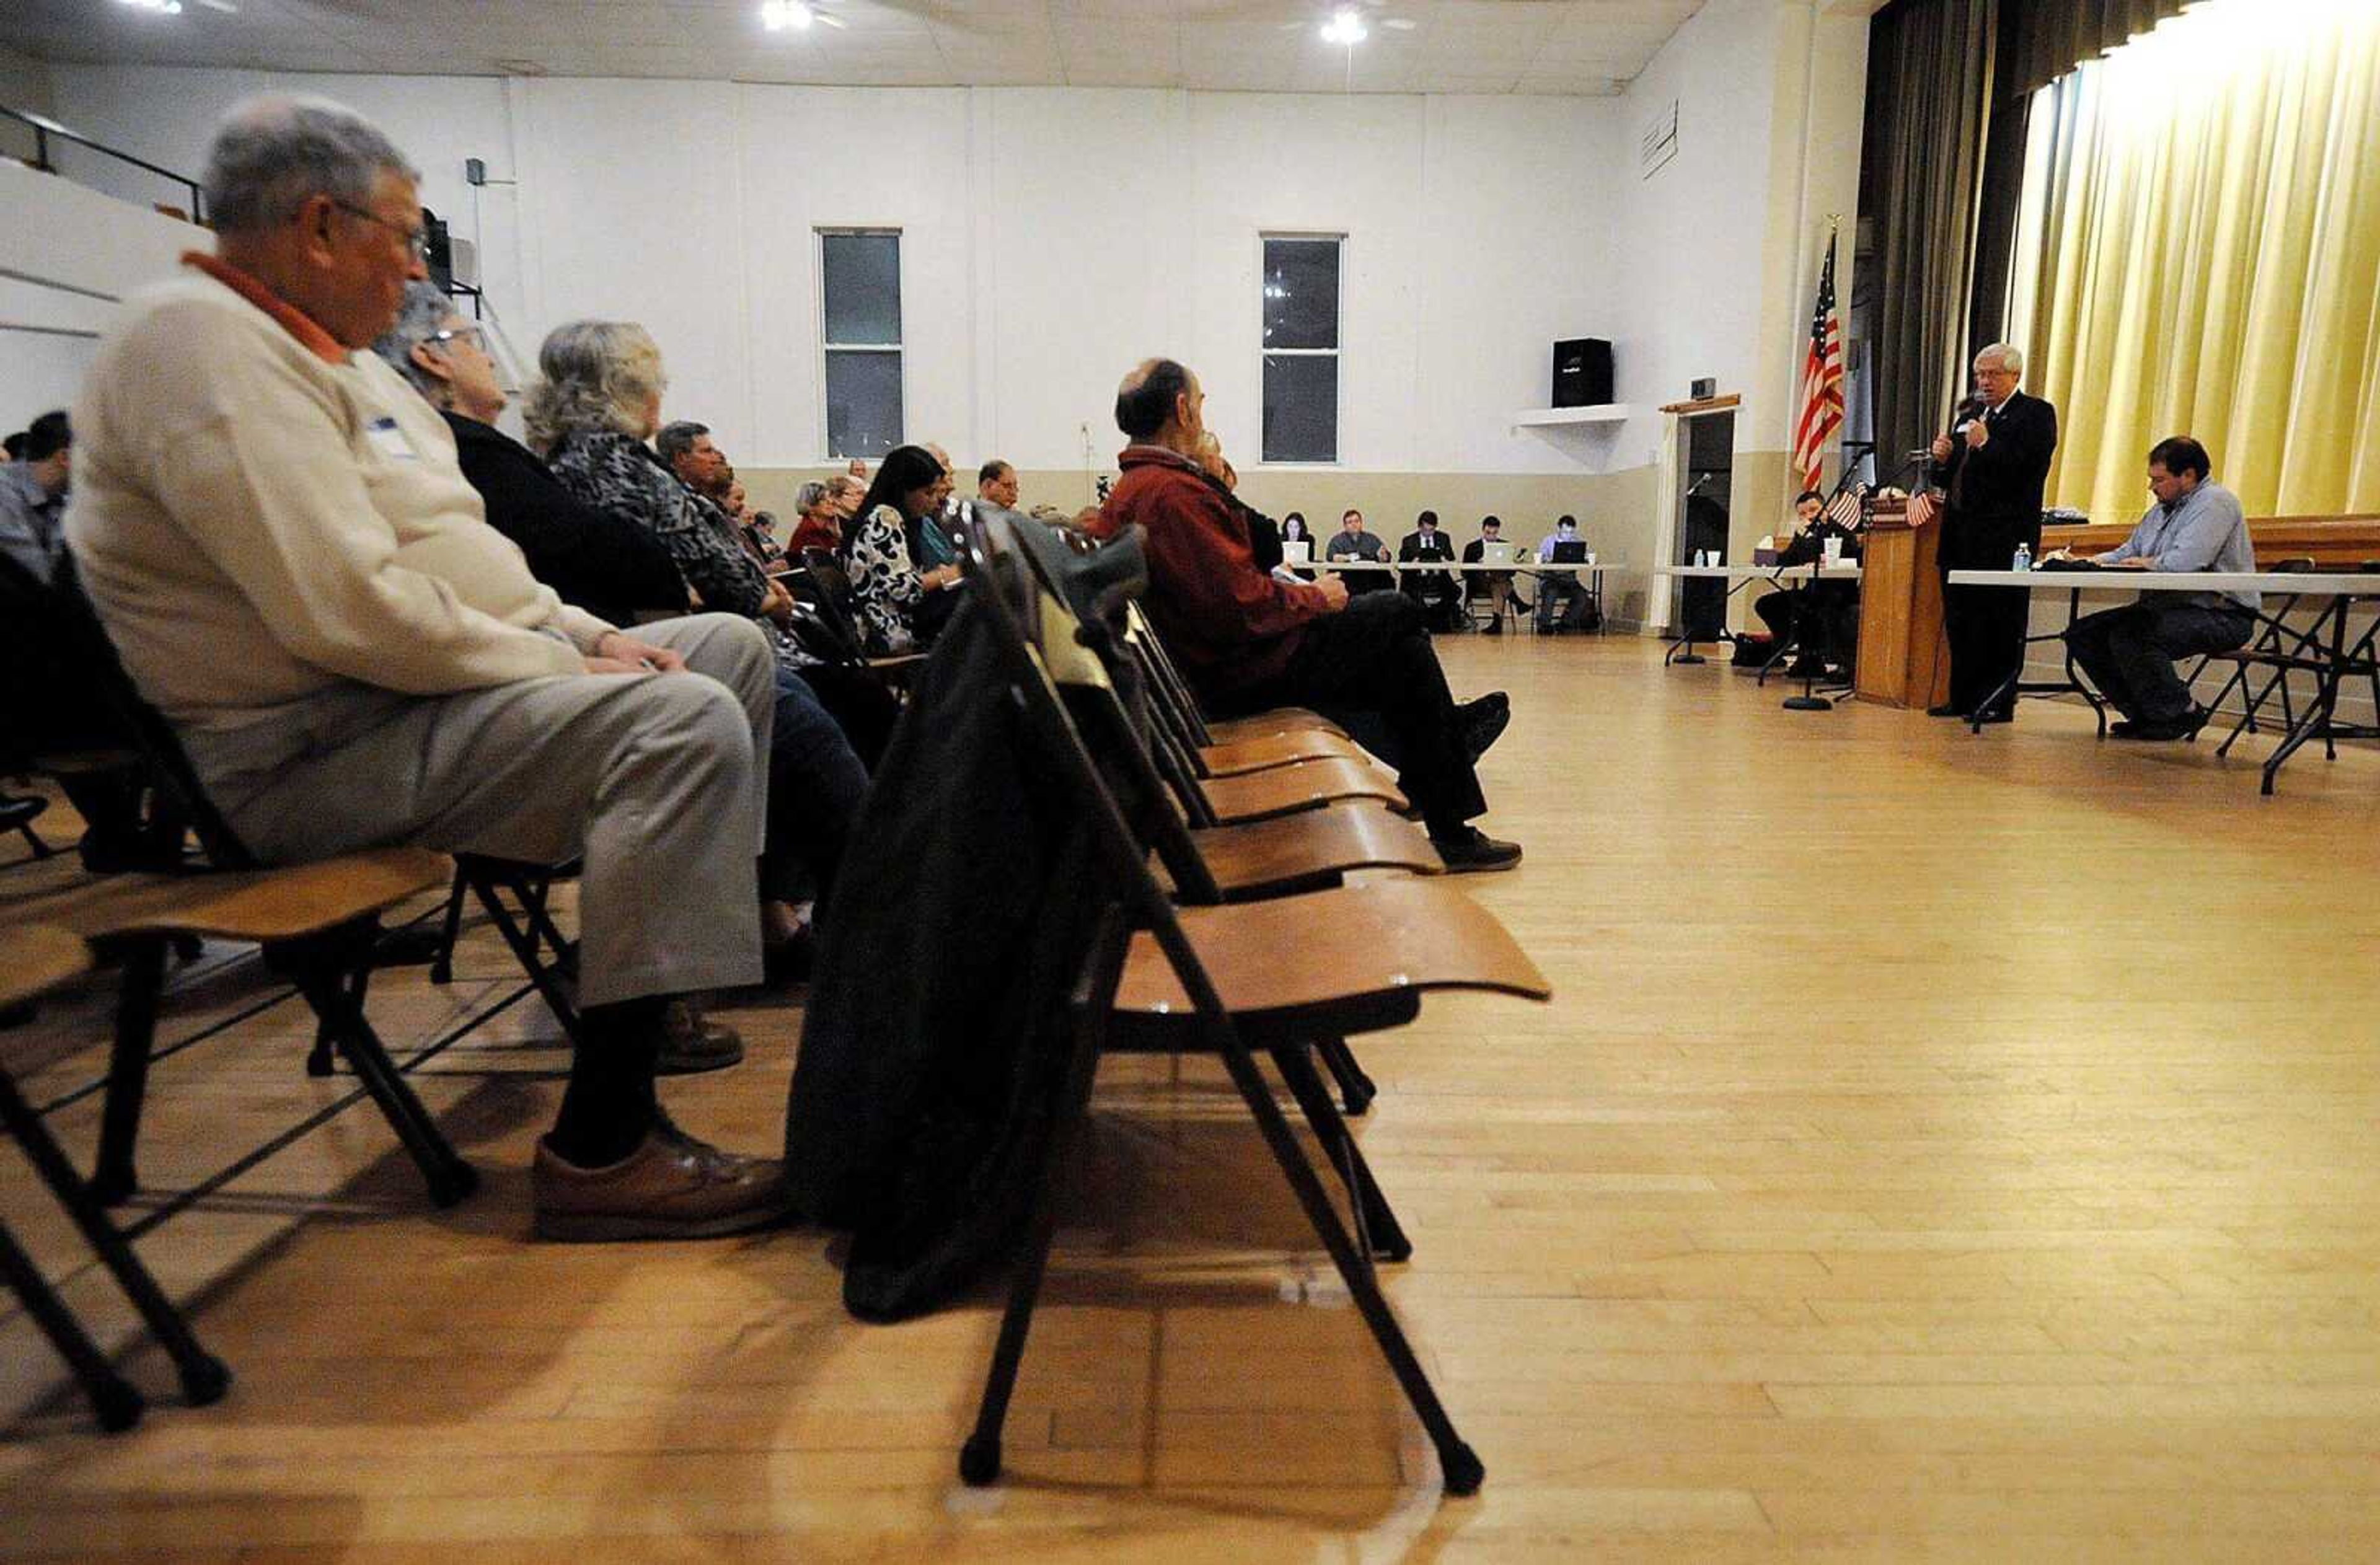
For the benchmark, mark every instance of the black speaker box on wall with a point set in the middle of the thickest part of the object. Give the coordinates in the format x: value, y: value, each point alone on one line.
x: 1582, y: 373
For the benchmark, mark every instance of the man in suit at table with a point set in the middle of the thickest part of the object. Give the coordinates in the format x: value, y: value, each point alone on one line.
x: 1434, y: 591
x: 1992, y: 467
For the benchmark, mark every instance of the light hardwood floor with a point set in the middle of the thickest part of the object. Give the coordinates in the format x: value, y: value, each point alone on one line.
x: 1939, y: 1147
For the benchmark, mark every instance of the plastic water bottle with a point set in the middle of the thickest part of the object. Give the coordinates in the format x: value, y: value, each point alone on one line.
x: 2023, y: 558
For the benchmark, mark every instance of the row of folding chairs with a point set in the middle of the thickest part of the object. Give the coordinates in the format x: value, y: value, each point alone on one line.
x: 1192, y: 964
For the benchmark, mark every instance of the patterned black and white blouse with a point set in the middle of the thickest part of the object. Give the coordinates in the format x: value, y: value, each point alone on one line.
x: 886, y: 584
x: 622, y: 476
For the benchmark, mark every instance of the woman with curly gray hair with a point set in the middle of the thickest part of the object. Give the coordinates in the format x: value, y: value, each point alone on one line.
x: 598, y: 401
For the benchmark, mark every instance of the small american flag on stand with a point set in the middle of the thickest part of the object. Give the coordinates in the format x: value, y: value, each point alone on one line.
x: 1845, y: 509
x: 1922, y: 506
x: 1822, y: 379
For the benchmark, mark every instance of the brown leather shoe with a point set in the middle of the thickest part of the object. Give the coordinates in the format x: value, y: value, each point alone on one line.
x: 692, y: 1042
x: 671, y: 1187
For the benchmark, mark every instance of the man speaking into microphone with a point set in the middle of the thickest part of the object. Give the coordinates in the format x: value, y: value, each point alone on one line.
x: 1991, y: 468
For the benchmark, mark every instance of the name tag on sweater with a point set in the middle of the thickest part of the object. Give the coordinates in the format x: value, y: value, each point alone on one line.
x: 383, y: 433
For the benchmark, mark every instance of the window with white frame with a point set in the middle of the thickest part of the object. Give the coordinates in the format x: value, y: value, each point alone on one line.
x: 859, y: 286
x: 1300, y: 348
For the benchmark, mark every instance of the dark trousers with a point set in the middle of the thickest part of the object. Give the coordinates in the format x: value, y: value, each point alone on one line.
x: 1371, y: 669
x: 1985, y: 624
x: 815, y: 785
x: 1563, y: 603
x: 1440, y: 600
x: 2130, y: 652
x: 1832, y: 628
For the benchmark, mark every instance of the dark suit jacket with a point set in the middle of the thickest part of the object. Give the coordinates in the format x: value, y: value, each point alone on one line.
x: 604, y: 563
x: 1419, y: 545
x: 2004, y: 479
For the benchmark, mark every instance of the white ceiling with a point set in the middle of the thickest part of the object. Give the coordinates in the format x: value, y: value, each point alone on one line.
x: 1560, y: 46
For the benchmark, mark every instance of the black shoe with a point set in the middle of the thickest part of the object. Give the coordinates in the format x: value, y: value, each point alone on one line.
x: 1475, y: 852
x: 2003, y: 715
x: 2154, y: 732
x: 2122, y: 728
x: 1944, y: 709
x: 1483, y: 722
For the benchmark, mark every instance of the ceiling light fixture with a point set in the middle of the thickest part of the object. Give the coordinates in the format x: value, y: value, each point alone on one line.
x: 156, y: 7
x: 1345, y: 27
x: 779, y: 14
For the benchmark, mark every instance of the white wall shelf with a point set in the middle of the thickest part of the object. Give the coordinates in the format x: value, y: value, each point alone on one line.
x: 1602, y: 413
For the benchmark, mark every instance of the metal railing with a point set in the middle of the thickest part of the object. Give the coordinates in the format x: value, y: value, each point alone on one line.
x: 47, y: 131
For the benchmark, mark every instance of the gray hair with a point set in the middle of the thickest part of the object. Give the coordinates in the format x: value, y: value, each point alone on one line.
x: 426, y: 311
x: 677, y: 440
x: 271, y: 153
x: 810, y: 496
x: 594, y: 376
x: 2011, y: 359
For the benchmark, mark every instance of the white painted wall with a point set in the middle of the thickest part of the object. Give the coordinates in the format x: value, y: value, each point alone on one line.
x: 1052, y: 237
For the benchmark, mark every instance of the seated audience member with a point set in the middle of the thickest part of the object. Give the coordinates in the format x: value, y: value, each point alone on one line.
x: 758, y: 528
x: 14, y: 446
x: 275, y: 533
x: 1494, y: 586
x: 598, y: 399
x: 1352, y: 542
x: 995, y: 484
x: 2195, y: 524
x: 902, y: 601
x: 936, y: 541
x: 1249, y: 640
x: 599, y: 562
x: 33, y: 496
x: 819, y: 511
x: 1435, y: 591
x: 686, y: 448
x: 1563, y: 601
x: 1832, y: 607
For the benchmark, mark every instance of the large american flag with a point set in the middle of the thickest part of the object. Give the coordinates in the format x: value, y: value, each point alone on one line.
x: 1822, y: 379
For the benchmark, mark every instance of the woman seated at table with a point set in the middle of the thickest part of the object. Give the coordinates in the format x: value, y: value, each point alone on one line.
x: 1832, y: 607
x: 901, y: 602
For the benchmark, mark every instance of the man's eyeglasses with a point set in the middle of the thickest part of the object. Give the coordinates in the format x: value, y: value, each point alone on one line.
x: 476, y: 336
x: 416, y: 241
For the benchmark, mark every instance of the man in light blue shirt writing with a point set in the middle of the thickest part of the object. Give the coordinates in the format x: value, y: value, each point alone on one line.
x: 2196, y: 524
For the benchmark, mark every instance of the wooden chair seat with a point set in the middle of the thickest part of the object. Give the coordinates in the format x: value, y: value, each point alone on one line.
x: 1263, y: 752
x: 1310, y: 850
x: 246, y: 904
x: 1302, y: 785
x: 1388, y: 938
x: 1283, y: 720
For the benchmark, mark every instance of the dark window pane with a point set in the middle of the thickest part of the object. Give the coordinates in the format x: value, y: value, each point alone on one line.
x: 1301, y: 407
x: 863, y: 402
x: 1300, y: 293
x: 863, y: 287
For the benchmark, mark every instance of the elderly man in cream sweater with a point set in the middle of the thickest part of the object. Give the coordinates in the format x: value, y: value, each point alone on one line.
x: 275, y: 532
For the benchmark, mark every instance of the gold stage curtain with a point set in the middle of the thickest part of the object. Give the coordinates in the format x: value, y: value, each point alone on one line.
x: 2198, y: 253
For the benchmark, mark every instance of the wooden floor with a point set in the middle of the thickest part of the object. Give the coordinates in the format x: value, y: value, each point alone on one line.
x: 1940, y: 1147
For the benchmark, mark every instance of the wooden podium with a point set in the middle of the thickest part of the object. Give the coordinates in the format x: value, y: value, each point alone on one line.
x: 1903, y: 659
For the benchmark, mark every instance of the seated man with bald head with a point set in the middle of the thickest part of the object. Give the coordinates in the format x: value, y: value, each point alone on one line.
x: 1249, y: 640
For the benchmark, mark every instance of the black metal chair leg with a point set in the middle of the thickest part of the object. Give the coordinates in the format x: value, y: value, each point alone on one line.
x: 1461, y: 1465
x: 203, y: 1376
x: 1356, y: 1090
x: 114, y: 1178
x: 450, y: 1178
x: 113, y: 1401
x: 450, y: 930
x: 979, y: 1458
x: 524, y: 951
x: 1377, y: 1232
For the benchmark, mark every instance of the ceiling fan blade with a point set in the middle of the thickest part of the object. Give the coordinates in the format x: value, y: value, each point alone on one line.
x: 834, y: 22
x: 226, y: 6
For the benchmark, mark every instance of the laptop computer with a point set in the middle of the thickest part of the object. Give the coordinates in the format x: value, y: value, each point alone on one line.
x: 1297, y: 551
x: 1572, y: 553
x: 1499, y: 553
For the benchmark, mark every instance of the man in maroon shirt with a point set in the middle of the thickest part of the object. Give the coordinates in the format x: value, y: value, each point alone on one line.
x: 1249, y: 641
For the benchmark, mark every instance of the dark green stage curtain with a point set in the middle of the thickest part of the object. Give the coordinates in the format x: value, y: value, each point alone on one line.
x: 2054, y: 36
x: 1929, y: 94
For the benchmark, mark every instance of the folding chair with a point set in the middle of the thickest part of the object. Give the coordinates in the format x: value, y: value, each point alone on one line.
x: 1211, y: 757
x: 42, y: 959
x: 2280, y: 648
x: 1280, y: 721
x: 315, y: 923
x: 1206, y: 980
